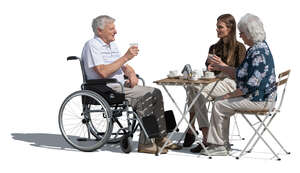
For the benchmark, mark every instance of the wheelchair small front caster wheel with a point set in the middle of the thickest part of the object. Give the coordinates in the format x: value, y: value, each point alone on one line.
x: 126, y: 144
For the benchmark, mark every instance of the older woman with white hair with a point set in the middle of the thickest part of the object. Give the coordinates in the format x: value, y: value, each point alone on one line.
x: 255, y: 79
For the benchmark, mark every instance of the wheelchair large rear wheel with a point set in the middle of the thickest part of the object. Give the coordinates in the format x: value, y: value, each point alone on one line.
x: 82, y: 115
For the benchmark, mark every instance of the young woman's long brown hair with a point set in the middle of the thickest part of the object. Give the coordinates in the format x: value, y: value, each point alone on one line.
x: 229, y: 20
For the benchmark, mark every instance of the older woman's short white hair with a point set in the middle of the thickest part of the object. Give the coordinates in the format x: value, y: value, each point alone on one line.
x: 100, y: 22
x: 252, y: 27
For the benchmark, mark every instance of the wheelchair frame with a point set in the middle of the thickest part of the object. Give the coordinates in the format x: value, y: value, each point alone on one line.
x: 84, y: 133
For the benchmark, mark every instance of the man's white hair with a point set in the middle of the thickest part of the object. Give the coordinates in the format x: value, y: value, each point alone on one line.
x: 252, y: 27
x: 100, y: 22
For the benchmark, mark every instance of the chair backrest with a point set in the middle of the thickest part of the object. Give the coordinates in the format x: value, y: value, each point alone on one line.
x: 84, y: 78
x: 281, y: 85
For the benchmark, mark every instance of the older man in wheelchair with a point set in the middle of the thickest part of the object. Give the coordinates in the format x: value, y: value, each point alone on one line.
x: 105, y: 71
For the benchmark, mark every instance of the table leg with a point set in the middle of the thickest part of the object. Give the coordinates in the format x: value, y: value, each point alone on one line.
x: 193, y: 102
x: 186, y: 110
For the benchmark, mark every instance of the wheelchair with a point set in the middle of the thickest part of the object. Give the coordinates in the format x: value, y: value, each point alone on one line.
x: 97, y: 115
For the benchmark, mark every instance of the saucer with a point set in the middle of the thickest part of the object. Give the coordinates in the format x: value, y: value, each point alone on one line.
x: 206, y: 77
x: 171, y: 76
x: 197, y: 78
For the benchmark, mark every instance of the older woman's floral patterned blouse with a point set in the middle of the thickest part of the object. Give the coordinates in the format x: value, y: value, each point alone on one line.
x: 256, y: 74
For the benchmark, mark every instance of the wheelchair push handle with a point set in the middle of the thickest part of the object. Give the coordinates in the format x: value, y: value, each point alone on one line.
x: 72, y: 58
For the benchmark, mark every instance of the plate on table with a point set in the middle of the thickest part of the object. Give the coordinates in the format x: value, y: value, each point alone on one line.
x: 206, y: 78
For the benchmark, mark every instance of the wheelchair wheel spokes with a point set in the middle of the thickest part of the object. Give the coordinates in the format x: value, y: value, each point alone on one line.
x: 81, y: 116
x: 98, y: 123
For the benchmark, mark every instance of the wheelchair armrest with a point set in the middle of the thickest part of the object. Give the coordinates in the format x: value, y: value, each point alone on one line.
x: 101, y: 81
x: 138, y: 76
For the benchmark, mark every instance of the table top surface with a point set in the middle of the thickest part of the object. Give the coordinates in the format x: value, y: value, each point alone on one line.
x: 180, y: 81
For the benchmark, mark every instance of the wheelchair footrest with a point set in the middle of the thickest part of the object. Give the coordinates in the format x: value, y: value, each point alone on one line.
x: 86, y: 139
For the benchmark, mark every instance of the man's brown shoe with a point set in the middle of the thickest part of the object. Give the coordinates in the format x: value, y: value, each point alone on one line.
x: 160, y: 142
x: 151, y: 149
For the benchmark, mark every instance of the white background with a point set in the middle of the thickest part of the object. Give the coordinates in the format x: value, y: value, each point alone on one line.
x: 37, y: 36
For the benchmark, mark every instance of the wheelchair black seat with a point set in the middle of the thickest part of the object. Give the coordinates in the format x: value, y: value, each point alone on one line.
x: 98, y: 86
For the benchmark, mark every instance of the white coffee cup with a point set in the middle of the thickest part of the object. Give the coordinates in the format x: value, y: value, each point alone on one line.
x: 173, y: 73
x: 203, y: 71
x: 210, y: 55
x: 197, y: 73
x: 133, y: 44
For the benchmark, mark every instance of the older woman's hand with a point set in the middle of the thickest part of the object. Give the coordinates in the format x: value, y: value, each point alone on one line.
x: 235, y: 93
x: 215, y: 67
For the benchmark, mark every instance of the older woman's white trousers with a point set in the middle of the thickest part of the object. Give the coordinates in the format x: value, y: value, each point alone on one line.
x: 220, y: 119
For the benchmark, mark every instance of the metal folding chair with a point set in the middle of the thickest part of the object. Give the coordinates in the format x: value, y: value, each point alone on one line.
x: 262, y: 125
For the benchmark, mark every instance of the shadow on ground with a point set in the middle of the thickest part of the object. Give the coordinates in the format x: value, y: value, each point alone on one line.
x: 56, y: 141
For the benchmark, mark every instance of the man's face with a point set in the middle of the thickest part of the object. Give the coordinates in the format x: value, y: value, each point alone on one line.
x: 108, y: 33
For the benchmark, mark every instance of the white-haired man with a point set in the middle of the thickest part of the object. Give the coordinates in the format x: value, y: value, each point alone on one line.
x: 102, y: 59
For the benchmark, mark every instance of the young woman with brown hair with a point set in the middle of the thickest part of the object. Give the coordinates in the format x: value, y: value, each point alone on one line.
x: 232, y: 53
